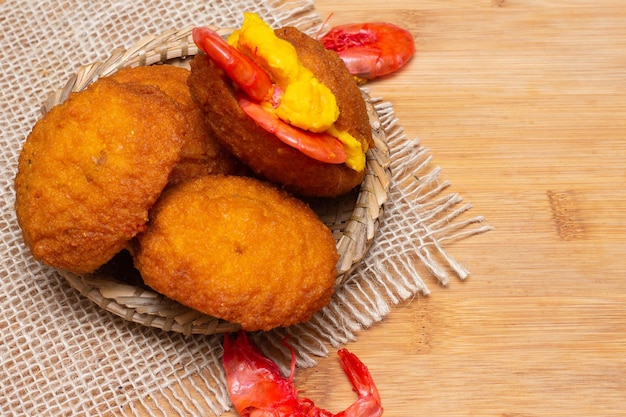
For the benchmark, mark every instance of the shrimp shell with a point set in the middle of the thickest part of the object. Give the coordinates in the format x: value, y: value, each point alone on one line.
x: 371, y: 50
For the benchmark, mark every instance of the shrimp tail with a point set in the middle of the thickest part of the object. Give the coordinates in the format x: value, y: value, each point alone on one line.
x: 368, y: 403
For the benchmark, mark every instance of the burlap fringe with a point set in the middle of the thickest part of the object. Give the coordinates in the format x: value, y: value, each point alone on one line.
x: 389, y: 275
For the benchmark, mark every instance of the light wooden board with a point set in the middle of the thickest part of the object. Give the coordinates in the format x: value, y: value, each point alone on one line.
x: 523, y: 106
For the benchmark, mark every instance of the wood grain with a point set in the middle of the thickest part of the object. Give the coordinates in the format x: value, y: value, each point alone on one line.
x: 523, y: 106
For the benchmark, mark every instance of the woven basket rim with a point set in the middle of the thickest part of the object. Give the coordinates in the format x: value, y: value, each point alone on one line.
x: 353, y: 235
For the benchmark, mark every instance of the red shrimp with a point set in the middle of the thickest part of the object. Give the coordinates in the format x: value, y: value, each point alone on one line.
x: 371, y: 50
x: 257, y: 85
x: 258, y: 389
x: 320, y: 146
x: 241, y: 69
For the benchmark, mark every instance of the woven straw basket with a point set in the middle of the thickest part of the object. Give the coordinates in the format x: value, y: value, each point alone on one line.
x: 353, y: 218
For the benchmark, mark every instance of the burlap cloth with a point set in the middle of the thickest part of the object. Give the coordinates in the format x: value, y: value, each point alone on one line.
x: 60, y: 354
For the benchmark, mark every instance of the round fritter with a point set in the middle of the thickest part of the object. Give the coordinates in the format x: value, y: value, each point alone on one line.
x: 201, y: 153
x: 90, y: 170
x: 239, y: 249
x: 262, y: 151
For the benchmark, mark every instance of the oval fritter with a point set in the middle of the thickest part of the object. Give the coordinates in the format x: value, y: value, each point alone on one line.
x: 239, y: 249
x: 90, y: 170
x: 267, y: 156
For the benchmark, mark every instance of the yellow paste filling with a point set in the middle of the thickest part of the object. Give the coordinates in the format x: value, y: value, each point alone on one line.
x: 305, y: 102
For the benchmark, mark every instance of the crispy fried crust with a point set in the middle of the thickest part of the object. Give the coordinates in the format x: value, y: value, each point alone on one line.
x: 201, y: 153
x: 238, y: 249
x: 263, y: 152
x: 90, y: 170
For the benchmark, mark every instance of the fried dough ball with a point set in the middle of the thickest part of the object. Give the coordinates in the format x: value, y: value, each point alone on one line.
x: 239, y: 249
x: 268, y: 157
x: 90, y: 170
x: 201, y: 154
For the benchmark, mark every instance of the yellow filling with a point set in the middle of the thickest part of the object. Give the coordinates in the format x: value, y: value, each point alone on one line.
x: 354, y: 152
x: 305, y: 102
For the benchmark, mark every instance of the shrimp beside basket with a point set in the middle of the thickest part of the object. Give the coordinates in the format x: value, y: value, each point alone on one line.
x: 257, y: 388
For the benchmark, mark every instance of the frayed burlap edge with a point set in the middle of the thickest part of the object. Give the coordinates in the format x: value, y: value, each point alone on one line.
x: 420, y: 218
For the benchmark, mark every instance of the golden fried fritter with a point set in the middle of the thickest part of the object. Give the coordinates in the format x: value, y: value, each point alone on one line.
x: 262, y: 151
x: 201, y: 154
x: 90, y: 170
x: 238, y: 249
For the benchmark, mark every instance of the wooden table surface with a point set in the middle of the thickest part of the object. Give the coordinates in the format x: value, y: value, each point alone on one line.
x: 523, y: 106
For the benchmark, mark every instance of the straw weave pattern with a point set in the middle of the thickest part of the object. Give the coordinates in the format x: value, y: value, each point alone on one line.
x: 353, y: 218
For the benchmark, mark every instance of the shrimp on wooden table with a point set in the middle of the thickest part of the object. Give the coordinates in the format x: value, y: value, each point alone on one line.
x: 371, y: 50
x: 257, y: 388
